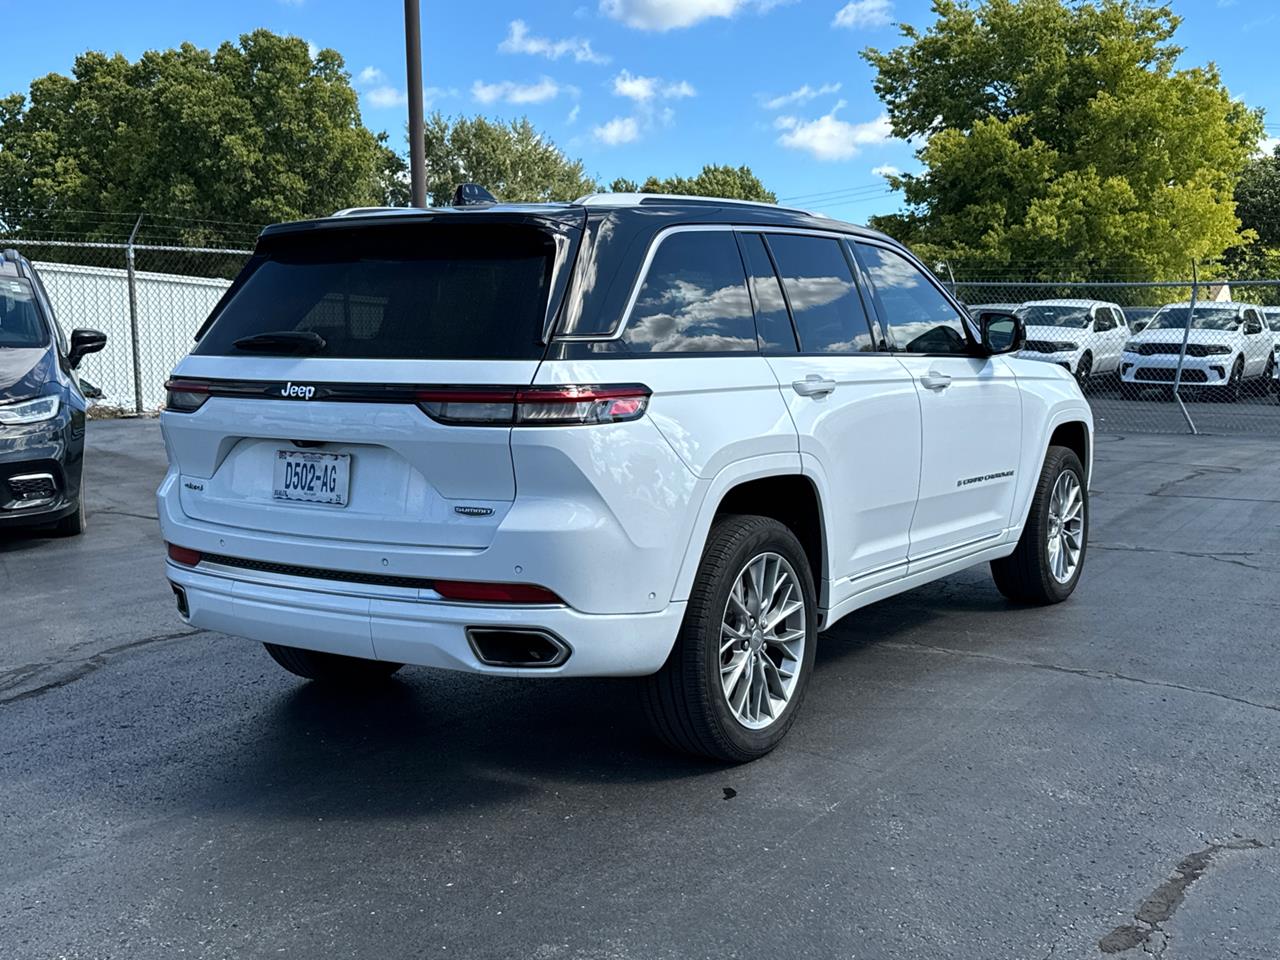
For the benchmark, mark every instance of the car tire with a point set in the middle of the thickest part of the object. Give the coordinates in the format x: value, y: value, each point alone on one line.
x: 73, y: 524
x: 686, y: 701
x: 1235, y: 384
x: 331, y: 667
x: 1084, y: 369
x: 1032, y: 574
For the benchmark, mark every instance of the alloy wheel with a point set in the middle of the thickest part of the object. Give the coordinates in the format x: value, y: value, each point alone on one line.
x: 1065, y: 541
x: 762, y: 638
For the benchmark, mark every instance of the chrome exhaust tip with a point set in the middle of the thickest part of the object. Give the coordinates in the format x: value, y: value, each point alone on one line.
x: 517, y: 647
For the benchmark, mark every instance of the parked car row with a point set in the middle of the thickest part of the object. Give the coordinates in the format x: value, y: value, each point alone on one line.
x: 1219, y: 346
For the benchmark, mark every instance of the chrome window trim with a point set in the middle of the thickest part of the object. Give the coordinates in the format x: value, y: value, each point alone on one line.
x: 660, y: 237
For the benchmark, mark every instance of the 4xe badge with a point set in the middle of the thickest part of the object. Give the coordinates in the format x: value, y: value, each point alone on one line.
x: 297, y: 390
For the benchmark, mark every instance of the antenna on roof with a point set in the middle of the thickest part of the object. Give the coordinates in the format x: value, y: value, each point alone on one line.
x: 470, y: 194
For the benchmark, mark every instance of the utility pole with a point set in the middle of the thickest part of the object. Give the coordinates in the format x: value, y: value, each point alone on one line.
x: 417, y: 129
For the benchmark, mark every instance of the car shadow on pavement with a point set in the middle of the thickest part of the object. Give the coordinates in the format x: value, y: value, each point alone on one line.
x: 429, y: 742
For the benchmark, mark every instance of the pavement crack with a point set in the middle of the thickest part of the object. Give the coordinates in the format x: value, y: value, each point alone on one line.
x: 1086, y: 672
x: 77, y: 668
x: 1160, y: 905
x: 1232, y: 557
x: 125, y: 513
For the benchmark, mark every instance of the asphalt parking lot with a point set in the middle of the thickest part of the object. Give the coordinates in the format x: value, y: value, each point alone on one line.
x: 967, y: 780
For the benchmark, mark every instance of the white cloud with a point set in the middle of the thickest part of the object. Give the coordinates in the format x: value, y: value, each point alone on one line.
x: 864, y: 13
x: 643, y: 89
x: 386, y: 96
x: 886, y: 170
x: 674, y: 14
x: 312, y: 50
x: 519, y: 40
x: 830, y: 138
x: 573, y: 114
x: 509, y: 91
x: 617, y: 131
x: 1267, y: 146
x: 802, y: 95
x: 369, y: 76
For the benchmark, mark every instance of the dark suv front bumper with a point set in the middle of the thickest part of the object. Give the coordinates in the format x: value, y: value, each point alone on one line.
x: 40, y: 468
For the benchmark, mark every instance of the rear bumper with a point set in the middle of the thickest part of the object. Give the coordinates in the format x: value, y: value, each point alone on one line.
x: 382, y: 626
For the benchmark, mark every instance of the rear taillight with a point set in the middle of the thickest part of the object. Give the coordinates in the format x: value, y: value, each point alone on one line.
x: 556, y: 406
x: 185, y: 396
x: 471, y: 591
x: 184, y: 556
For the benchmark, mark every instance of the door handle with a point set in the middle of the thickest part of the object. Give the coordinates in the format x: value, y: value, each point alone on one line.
x: 813, y: 386
x: 935, y: 381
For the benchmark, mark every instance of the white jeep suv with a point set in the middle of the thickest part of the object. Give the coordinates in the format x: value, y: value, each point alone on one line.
x: 629, y: 436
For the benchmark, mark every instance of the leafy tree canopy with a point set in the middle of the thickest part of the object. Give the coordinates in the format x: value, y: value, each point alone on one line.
x: 254, y: 132
x: 1060, y: 134
x: 714, y: 180
x: 1258, y: 198
x: 515, y: 162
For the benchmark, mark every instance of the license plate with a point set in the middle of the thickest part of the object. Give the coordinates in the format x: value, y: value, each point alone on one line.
x: 312, y: 477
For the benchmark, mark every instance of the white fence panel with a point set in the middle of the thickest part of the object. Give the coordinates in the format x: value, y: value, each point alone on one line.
x: 170, y: 310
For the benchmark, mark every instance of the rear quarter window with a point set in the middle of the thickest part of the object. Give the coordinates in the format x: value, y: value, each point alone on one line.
x: 693, y: 299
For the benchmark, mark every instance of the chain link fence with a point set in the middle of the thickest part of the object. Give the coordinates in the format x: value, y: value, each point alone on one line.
x: 149, y: 299
x: 1198, y: 356
x: 1194, y: 356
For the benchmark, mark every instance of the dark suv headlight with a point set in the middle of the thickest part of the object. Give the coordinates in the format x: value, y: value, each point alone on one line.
x: 31, y: 411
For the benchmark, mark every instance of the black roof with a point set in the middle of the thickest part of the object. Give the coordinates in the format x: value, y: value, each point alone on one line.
x: 659, y: 209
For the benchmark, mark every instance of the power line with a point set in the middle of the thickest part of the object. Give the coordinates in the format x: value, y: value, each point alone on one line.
x: 828, y: 193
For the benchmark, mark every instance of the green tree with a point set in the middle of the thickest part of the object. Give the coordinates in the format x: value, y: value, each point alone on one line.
x: 512, y: 160
x: 714, y: 180
x: 254, y: 132
x: 1060, y: 134
x: 1258, y: 198
x: 1258, y: 206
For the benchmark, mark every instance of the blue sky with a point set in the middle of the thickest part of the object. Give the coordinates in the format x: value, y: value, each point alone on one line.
x: 633, y: 87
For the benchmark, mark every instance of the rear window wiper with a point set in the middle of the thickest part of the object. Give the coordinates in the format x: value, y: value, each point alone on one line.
x: 282, y: 341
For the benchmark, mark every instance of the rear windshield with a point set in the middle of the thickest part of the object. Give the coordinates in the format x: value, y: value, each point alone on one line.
x: 20, y: 324
x: 456, y: 292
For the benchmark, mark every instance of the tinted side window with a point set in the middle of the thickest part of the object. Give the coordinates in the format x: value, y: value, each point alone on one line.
x: 773, y: 323
x: 919, y: 318
x: 824, y: 298
x: 694, y: 298
x: 1102, y: 320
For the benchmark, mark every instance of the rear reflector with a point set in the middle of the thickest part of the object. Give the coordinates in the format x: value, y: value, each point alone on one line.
x: 469, y: 591
x: 188, y: 558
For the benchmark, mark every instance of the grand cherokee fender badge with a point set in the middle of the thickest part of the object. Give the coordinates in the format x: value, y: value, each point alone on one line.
x: 970, y: 481
x: 474, y: 511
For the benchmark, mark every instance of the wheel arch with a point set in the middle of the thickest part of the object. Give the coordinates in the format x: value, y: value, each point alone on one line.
x: 771, y: 487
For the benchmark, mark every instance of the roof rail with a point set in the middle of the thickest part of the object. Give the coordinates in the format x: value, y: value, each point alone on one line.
x: 638, y: 199
x: 367, y: 211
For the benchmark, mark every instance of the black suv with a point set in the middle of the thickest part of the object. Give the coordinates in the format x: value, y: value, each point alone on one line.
x: 42, y: 408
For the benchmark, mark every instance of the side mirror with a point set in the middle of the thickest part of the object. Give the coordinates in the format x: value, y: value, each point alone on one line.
x: 1001, y: 332
x: 1139, y: 325
x: 83, y: 343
